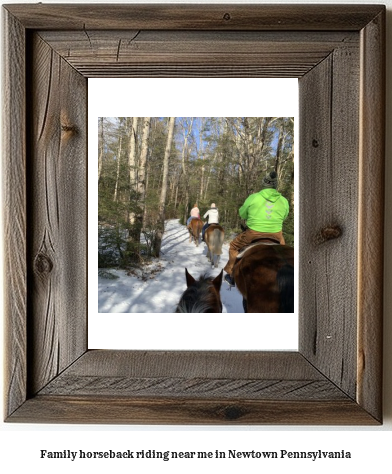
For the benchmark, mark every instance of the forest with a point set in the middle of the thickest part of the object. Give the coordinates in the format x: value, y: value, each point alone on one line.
x: 151, y: 169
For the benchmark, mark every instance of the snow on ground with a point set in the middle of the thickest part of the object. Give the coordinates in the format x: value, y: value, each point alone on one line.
x: 165, y: 282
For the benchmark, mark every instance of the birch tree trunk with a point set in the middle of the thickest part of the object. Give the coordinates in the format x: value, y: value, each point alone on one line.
x: 146, y: 220
x: 132, y: 150
x: 141, y: 184
x: 132, y: 165
x: 162, y: 200
x: 201, y: 154
x: 184, y: 168
x: 119, y: 151
x: 101, y: 147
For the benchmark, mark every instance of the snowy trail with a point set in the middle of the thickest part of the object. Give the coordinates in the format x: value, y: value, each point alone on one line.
x: 160, y: 293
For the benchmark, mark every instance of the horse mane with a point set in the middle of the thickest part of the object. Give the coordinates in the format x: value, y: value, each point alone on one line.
x: 197, y: 307
x: 285, y: 279
x: 200, y: 297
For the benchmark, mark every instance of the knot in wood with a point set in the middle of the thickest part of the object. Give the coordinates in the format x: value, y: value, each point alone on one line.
x: 43, y: 264
x: 69, y: 128
x: 232, y: 413
x: 227, y: 16
x: 315, y: 143
x: 328, y: 233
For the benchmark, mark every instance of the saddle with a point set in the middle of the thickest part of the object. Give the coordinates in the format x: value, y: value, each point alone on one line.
x: 255, y: 243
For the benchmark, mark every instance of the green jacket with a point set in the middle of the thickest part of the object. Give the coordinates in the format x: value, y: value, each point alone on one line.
x: 265, y: 211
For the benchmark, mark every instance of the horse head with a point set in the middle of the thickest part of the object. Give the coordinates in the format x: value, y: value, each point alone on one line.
x: 202, y: 295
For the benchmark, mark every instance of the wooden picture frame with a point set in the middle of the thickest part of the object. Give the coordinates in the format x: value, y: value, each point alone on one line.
x: 338, y: 54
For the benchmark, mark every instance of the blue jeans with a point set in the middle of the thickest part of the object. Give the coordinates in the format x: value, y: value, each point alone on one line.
x: 203, y: 230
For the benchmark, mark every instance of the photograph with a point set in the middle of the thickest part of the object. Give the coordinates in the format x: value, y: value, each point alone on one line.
x: 186, y: 204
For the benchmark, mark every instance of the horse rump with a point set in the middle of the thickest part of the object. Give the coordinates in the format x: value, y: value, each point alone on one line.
x: 285, y: 279
x: 216, y: 237
x: 264, y: 275
x: 194, y: 228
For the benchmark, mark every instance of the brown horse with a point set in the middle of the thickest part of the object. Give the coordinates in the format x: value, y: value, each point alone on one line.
x: 265, y: 277
x: 214, y: 237
x: 195, y: 227
x: 202, y: 295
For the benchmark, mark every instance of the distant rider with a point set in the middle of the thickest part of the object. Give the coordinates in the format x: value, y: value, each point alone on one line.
x: 195, y: 214
x: 211, y: 217
x: 265, y: 213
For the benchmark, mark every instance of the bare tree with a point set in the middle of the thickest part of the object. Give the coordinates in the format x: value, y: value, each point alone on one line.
x: 186, y: 132
x: 132, y: 164
x: 141, y: 184
x: 101, y: 147
x: 162, y: 200
x: 119, y: 151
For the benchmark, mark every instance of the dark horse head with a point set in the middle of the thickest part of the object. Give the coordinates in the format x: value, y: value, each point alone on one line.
x: 202, y: 295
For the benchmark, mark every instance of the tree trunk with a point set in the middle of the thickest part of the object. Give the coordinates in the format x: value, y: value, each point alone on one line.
x: 119, y: 151
x: 176, y: 197
x: 141, y: 184
x: 101, y: 147
x: 132, y: 165
x: 132, y: 151
x: 186, y: 205
x: 278, y: 156
x: 201, y: 154
x: 162, y: 200
x: 146, y: 220
x: 185, y: 169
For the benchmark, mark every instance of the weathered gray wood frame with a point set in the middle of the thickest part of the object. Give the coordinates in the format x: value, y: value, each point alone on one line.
x: 337, y: 52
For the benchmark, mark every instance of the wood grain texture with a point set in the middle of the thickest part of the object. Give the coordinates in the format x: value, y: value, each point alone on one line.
x: 57, y: 214
x: 14, y: 211
x: 208, y: 364
x: 194, y: 17
x: 103, y: 409
x: 205, y: 374
x: 192, y: 387
x: 335, y: 378
x: 329, y: 134
x: 129, y: 53
x: 371, y: 216
x: 201, y: 387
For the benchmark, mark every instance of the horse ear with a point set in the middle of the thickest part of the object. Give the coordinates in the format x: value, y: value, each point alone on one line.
x: 217, y: 281
x: 189, y: 278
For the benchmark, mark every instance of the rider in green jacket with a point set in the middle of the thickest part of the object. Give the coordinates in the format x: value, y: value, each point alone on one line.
x: 264, y: 213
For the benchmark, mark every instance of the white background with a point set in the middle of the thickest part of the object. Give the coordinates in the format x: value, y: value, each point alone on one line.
x: 211, y: 98
x: 370, y: 446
